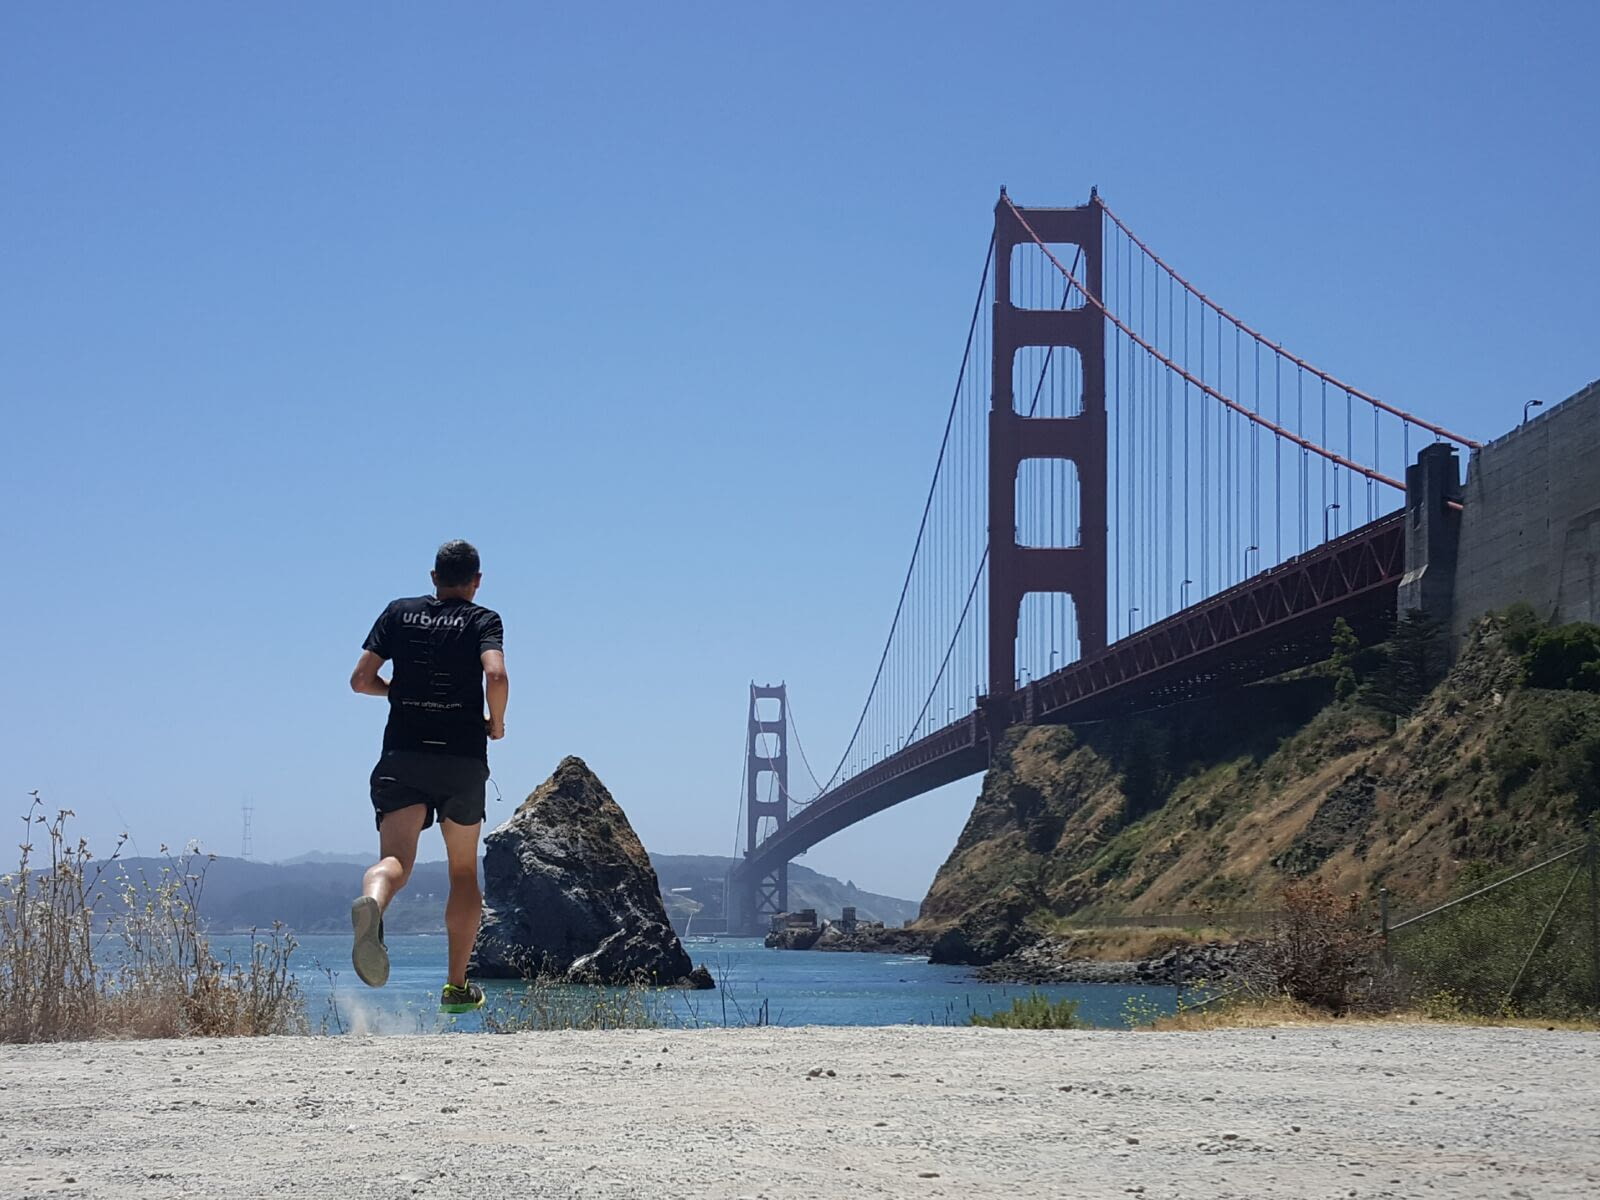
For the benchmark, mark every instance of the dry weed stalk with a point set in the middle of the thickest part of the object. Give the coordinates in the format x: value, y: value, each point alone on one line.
x: 86, y: 951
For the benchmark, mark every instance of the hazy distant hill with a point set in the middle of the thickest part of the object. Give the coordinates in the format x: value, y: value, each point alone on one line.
x: 308, y: 897
x: 346, y: 857
x: 311, y: 893
x: 704, y: 875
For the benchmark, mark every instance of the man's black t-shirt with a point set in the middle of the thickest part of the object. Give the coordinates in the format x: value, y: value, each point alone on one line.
x: 436, y: 695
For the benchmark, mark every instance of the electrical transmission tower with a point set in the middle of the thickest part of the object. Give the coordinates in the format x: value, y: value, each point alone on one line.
x: 244, y: 841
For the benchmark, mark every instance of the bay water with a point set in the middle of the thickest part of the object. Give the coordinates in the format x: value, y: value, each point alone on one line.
x: 755, y: 985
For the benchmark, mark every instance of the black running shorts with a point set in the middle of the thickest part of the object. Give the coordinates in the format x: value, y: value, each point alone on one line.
x: 451, y: 786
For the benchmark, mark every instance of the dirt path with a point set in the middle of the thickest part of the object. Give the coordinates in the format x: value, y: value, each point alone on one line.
x: 1304, y: 1113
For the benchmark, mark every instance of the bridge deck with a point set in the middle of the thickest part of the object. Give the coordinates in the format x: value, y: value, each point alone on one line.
x: 1270, y: 623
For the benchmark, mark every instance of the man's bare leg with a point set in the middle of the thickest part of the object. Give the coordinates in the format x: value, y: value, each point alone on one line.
x: 397, y: 843
x: 464, y: 909
x: 397, y: 848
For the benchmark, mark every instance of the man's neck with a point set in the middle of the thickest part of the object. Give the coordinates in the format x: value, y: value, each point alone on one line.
x: 451, y: 593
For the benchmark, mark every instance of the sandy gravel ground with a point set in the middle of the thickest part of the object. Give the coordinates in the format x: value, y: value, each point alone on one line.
x: 1335, y: 1112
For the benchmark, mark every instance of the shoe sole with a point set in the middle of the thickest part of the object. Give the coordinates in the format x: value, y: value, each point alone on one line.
x: 458, y: 1009
x: 368, y: 955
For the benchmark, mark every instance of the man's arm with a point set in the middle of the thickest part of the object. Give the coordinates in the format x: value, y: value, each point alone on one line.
x: 497, y: 690
x: 365, y: 678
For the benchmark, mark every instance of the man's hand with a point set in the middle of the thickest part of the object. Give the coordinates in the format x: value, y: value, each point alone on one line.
x: 496, y: 729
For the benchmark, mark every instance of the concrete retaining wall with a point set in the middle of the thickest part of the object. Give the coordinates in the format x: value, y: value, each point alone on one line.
x: 1531, y: 530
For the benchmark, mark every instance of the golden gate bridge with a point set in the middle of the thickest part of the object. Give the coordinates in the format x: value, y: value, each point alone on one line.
x: 1138, y: 499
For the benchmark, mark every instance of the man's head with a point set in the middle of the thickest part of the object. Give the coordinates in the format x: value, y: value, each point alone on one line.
x: 456, y: 569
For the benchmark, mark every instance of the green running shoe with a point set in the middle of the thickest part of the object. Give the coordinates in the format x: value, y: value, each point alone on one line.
x: 462, y: 999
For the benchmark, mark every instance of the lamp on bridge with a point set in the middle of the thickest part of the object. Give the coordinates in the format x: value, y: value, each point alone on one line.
x: 1131, y: 611
x: 1527, y: 406
x: 1248, y: 551
x: 1183, y: 593
x: 1325, y: 511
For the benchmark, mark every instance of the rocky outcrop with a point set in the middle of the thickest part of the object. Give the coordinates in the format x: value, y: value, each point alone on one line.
x: 1203, y: 812
x: 570, y: 893
x: 870, y: 939
x: 874, y: 939
x: 793, y: 937
x: 989, y: 931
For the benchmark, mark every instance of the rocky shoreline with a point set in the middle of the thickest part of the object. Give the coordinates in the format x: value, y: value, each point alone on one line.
x: 873, y: 940
x: 1052, y: 961
x: 1043, y: 962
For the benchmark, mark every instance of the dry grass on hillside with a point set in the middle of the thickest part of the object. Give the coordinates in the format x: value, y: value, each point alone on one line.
x: 1127, y: 944
x: 1211, y: 808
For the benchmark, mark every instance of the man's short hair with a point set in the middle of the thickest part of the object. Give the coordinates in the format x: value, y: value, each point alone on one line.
x: 456, y: 564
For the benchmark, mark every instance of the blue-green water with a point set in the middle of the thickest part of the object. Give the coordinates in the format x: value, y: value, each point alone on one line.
x: 797, y: 988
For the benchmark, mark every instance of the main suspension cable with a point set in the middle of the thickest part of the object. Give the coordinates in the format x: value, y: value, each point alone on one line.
x: 1439, y: 430
x: 1216, y: 395
x: 922, y: 527
x: 977, y: 575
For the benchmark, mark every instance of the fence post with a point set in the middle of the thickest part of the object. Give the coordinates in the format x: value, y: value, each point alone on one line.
x: 1594, y: 905
x: 1383, y: 923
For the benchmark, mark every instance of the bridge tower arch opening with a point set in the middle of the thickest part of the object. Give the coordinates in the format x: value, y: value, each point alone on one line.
x: 1016, y: 569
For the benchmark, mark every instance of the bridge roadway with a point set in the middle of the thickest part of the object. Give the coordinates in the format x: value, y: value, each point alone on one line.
x: 1271, y: 622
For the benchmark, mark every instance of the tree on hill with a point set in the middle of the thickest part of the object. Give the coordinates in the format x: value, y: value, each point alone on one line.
x: 1343, y: 662
x: 1412, y: 666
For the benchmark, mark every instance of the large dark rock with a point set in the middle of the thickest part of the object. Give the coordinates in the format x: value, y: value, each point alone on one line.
x: 570, y: 892
x: 794, y: 937
x: 989, y: 931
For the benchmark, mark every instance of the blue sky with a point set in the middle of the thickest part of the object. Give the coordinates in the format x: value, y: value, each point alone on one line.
x: 660, y: 305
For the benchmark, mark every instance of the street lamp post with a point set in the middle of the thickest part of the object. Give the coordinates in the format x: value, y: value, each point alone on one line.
x: 1183, y: 593
x: 1325, y: 511
x: 1131, y: 611
x: 1248, y: 551
x: 1527, y: 406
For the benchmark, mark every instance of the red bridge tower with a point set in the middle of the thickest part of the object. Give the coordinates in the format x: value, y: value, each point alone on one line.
x: 766, y: 809
x: 1016, y: 570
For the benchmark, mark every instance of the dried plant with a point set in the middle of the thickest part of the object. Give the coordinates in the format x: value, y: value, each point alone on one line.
x: 88, y: 951
x: 1320, y: 951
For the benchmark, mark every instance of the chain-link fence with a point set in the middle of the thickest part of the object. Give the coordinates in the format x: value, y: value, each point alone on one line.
x: 1523, y: 942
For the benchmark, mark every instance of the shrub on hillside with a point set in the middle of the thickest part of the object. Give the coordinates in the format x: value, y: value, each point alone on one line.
x: 1319, y: 951
x: 1566, y: 657
x: 1521, y: 949
x: 1545, y: 756
x: 1519, y: 625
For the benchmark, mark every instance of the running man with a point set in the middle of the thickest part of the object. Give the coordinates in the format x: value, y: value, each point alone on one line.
x: 435, y: 756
